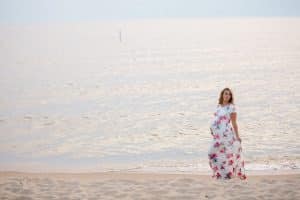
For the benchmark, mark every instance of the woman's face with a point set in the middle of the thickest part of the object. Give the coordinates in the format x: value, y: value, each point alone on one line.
x: 226, y: 96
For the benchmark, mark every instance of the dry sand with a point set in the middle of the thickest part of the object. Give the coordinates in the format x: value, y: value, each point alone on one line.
x: 116, y: 185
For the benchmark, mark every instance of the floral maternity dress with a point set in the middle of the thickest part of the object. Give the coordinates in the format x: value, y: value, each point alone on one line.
x: 225, y: 153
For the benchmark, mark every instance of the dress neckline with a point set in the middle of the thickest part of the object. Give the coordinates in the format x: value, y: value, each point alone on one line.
x: 224, y: 106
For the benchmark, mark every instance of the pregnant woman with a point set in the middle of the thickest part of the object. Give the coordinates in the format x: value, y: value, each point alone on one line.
x: 225, y: 153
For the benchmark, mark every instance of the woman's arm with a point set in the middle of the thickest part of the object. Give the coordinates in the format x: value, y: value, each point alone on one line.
x: 233, y: 117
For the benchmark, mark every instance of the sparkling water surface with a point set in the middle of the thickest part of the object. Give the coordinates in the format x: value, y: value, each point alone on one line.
x: 77, y: 97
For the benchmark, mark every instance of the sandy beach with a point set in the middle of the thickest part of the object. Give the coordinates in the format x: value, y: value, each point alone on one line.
x: 119, y: 185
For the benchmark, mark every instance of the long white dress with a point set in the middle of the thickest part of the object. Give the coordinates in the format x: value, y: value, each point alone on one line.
x: 225, y: 152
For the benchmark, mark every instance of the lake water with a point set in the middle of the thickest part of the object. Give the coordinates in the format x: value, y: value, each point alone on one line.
x: 139, y: 95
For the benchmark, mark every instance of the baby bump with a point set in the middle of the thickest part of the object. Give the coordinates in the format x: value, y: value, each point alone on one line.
x: 214, y: 126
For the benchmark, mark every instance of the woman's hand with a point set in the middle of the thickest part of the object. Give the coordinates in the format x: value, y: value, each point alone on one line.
x: 239, y: 139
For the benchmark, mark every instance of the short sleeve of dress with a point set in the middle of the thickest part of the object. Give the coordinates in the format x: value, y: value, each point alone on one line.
x: 232, y: 109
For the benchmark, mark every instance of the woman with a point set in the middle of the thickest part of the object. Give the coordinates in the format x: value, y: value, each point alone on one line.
x: 225, y: 153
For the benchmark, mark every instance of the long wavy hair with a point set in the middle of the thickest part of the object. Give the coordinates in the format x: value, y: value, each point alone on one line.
x: 231, y: 100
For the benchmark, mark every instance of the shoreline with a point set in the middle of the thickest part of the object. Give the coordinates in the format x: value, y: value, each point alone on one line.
x: 128, y: 171
x: 135, y: 174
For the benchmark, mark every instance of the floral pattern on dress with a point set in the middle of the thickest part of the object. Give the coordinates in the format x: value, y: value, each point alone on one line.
x: 225, y: 152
